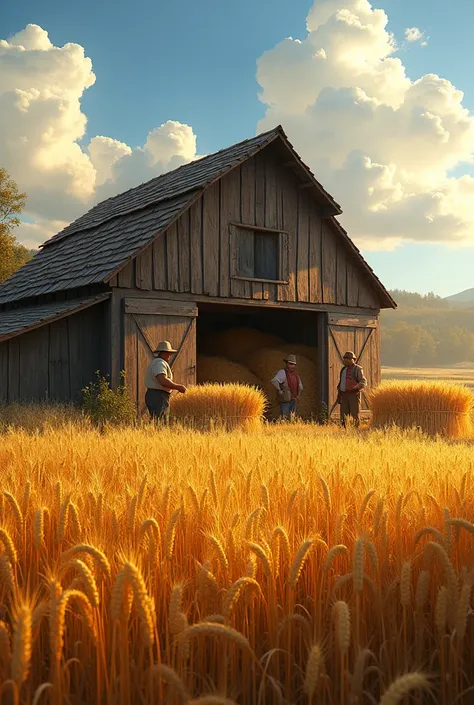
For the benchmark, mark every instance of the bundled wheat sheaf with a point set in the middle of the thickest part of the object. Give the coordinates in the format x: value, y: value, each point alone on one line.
x: 435, y: 407
x: 144, y: 566
x: 227, y: 406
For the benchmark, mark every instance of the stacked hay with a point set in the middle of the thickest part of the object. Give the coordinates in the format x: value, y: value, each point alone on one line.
x: 434, y: 407
x: 308, y: 351
x: 237, y: 343
x: 265, y: 364
x: 218, y: 369
x: 219, y: 406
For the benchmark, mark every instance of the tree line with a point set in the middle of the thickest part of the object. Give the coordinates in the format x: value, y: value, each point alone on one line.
x: 426, y: 330
x: 12, y: 254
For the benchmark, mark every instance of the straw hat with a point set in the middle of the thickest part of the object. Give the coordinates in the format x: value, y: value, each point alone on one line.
x: 350, y: 354
x: 290, y: 358
x: 164, y: 346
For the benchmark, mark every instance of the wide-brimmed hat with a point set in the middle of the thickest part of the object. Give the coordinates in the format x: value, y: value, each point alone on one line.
x: 164, y: 346
x: 350, y: 354
x: 290, y: 358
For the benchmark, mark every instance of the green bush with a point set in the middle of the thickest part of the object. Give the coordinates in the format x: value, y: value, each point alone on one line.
x: 323, y: 414
x: 105, y: 406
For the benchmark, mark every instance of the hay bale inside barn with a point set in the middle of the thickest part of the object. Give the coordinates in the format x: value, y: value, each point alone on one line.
x: 243, y: 238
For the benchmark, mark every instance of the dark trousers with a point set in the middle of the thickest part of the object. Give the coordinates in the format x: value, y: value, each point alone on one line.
x: 287, y: 408
x: 350, y: 405
x: 158, y: 404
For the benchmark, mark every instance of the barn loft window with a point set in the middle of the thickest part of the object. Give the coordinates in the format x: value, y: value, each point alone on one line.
x: 259, y: 254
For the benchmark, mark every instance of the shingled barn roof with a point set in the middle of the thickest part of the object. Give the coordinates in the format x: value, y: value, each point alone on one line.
x: 21, y: 320
x: 99, y: 243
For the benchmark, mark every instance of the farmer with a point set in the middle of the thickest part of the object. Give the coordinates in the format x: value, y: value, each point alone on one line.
x: 351, y: 381
x: 159, y: 382
x: 288, y: 385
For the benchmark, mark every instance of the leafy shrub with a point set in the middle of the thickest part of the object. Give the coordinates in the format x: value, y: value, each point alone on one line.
x: 107, y: 406
x: 323, y: 414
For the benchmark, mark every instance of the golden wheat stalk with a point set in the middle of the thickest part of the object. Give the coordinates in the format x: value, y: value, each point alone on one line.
x: 22, y: 643
x: 403, y: 686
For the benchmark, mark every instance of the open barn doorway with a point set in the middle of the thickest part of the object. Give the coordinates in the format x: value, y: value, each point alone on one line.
x: 247, y: 344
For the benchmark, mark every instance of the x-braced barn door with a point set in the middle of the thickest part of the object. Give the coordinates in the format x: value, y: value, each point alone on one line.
x: 146, y: 323
x: 361, y: 335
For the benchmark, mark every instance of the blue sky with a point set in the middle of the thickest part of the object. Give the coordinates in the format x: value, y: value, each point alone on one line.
x: 195, y: 62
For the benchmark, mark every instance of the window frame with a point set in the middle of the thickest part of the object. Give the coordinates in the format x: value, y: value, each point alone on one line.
x: 283, y: 253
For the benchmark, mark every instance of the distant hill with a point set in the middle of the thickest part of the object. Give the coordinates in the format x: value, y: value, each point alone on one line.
x: 427, y: 330
x: 464, y: 297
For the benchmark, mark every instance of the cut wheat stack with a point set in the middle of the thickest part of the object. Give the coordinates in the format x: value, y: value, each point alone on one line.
x: 219, y: 370
x: 434, y: 407
x: 300, y: 350
x: 237, y: 343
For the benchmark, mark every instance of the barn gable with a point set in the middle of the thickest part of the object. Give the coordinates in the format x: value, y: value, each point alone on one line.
x: 105, y: 241
x: 197, y: 254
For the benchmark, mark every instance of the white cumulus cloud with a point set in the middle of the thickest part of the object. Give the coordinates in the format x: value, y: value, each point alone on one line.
x: 384, y: 145
x: 42, y: 126
x: 413, y: 34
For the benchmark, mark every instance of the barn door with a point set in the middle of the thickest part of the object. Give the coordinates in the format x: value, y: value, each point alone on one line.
x: 361, y: 335
x: 146, y: 323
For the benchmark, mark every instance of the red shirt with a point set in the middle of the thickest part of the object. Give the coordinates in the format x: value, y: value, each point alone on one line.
x: 293, y: 383
x: 350, y: 382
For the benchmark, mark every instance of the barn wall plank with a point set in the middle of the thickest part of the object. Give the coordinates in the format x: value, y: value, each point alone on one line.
x: 375, y: 358
x: 341, y: 275
x: 172, y: 246
x: 126, y: 276
x: 290, y: 225
x: 367, y: 296
x: 113, y: 348
x: 195, y: 239
x: 352, y: 283
x: 260, y: 193
x: 302, y: 276
x: 211, y: 240
x: 160, y: 266
x: 144, y: 357
x: 184, y: 247
x: 59, y: 381
x: 272, y: 212
x: 243, y: 289
x: 144, y: 269
x: 229, y: 213
x: 131, y: 356
x: 3, y: 372
x: 13, y: 369
x: 34, y: 364
x: 329, y: 255
x: 315, y: 280
x: 86, y: 343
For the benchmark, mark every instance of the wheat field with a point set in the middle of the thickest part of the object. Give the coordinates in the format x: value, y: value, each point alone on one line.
x: 461, y: 374
x: 293, y: 565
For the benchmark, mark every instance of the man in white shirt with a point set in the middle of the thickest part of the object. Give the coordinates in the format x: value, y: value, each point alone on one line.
x: 159, y: 383
x: 288, y: 385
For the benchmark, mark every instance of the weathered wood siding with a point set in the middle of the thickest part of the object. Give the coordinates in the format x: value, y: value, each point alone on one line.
x: 194, y: 254
x: 146, y: 323
x: 55, y: 361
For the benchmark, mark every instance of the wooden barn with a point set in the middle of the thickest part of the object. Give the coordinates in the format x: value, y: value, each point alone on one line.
x: 243, y: 237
